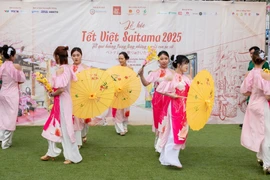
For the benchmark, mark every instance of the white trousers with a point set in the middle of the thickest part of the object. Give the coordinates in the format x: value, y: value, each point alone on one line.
x: 264, y: 153
x: 6, y: 138
x: 78, y: 135
x: 84, y: 130
x: 121, y: 127
x: 169, y: 154
x: 70, y: 150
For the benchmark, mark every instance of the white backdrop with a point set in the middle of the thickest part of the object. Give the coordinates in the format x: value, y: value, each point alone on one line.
x: 218, y: 34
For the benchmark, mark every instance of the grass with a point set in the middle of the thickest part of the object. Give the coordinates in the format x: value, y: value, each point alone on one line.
x: 212, y: 153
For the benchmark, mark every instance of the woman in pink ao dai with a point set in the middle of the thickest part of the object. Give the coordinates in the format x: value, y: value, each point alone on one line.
x: 256, y: 126
x: 174, y: 127
x: 11, y: 75
x: 59, y: 127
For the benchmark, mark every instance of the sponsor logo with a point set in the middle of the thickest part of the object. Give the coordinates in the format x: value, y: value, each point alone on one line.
x: 23, y: 11
x: 116, y: 10
x: 200, y: 13
x: 92, y: 11
x: 14, y: 11
x: 144, y: 12
x: 35, y: 11
x: 97, y: 10
x: 137, y: 11
x: 6, y: 11
x: 180, y: 13
x: 213, y: 13
x: 53, y: 11
x: 43, y: 11
x: 162, y: 12
x: 173, y: 13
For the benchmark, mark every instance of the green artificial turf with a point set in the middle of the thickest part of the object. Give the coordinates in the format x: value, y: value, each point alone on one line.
x: 211, y: 153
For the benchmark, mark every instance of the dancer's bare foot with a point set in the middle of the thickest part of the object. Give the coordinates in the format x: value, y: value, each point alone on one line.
x: 46, y: 158
x: 67, y: 162
x: 84, y: 139
x: 122, y: 133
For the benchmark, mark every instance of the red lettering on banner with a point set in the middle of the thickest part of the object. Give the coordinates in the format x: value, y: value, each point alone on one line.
x: 172, y: 37
x: 109, y: 36
x: 140, y: 25
x: 137, y: 37
x: 129, y: 25
x: 88, y: 36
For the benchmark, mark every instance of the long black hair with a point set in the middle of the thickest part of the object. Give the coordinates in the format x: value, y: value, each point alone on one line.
x: 8, y: 51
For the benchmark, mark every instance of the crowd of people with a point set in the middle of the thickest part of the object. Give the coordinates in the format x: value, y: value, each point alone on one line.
x: 61, y: 126
x: 171, y: 88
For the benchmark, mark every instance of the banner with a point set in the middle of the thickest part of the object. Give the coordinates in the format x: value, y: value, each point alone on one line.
x: 215, y: 36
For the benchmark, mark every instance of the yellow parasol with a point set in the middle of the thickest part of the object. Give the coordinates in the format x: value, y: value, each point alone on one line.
x: 127, y: 86
x: 200, y: 100
x: 92, y: 94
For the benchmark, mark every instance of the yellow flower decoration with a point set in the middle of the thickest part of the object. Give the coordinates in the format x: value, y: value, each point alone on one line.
x: 266, y: 70
x: 43, y: 81
x: 152, y: 55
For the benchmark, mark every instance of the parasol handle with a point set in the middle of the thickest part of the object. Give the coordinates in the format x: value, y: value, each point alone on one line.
x: 208, y: 104
x: 119, y: 89
x: 141, y: 68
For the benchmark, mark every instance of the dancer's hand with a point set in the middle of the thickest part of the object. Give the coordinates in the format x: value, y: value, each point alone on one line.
x: 140, y: 72
x: 247, y: 94
x: 174, y: 96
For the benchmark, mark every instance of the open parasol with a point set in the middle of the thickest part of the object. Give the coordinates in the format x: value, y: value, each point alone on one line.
x: 200, y: 100
x: 92, y: 94
x: 127, y: 86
